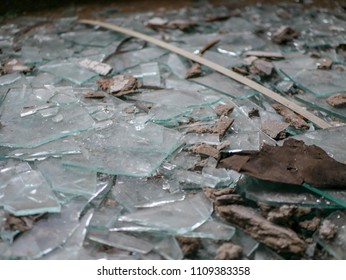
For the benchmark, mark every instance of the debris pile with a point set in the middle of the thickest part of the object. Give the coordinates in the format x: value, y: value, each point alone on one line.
x: 112, y: 148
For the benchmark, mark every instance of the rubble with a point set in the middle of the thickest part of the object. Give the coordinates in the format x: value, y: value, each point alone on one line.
x: 337, y: 100
x: 229, y: 251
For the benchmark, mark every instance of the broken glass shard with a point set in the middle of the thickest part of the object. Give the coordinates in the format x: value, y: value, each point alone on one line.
x: 169, y: 248
x: 279, y: 194
x: 26, y: 192
x: 47, y: 234
x: 35, y: 130
x: 121, y: 240
x: 151, y: 74
x: 68, y: 180
x: 9, y: 78
x: 125, y: 149
x: 192, y: 180
x: 177, y: 217
x: 73, y: 248
x: 105, y: 217
x: 224, y: 85
x: 134, y: 193
x: 212, y: 229
x: 210, y: 171
x: 91, y: 38
x: 336, y: 246
x: 69, y: 71
x: 318, y: 82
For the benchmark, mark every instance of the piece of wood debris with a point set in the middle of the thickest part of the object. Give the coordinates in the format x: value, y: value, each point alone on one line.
x: 194, y: 71
x: 291, y: 117
x: 337, y: 100
x: 279, y: 238
x: 100, y: 68
x: 284, y: 34
x: 225, y: 196
x: 264, y: 54
x: 274, y: 128
x: 254, y: 112
x: 221, y: 126
x: 14, y: 66
x: 189, y: 245
x: 119, y: 85
x: 328, y: 230
x: 310, y: 225
x: 205, y: 150
x: 224, y: 109
x: 325, y: 64
x: 94, y: 95
x: 263, y: 67
x: 229, y: 251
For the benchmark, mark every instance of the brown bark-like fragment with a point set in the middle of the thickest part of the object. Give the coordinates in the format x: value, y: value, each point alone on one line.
x: 194, y: 71
x: 229, y: 251
x: 189, y: 245
x: 223, y: 197
x: 262, y: 67
x: 325, y: 64
x: 337, y: 100
x: 284, y: 34
x: 205, y: 149
x: 264, y: 54
x: 292, y: 163
x: 310, y: 225
x: 279, y: 238
x: 327, y: 230
x: 274, y: 128
x: 291, y: 117
x: 222, y: 125
x: 14, y: 65
x: 118, y: 85
x: 94, y: 95
x: 224, y: 109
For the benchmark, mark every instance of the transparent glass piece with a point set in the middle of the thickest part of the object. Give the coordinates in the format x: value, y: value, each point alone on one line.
x: 320, y: 103
x: 47, y: 234
x: 8, y: 169
x: 27, y: 193
x: 121, y: 240
x: 151, y: 74
x: 178, y: 84
x: 205, y: 113
x: 9, y: 79
x: 223, y: 59
x: 68, y: 180
x: 91, y: 38
x: 238, y: 24
x: 31, y: 55
x: 224, y: 85
x: 279, y: 194
x: 57, y: 148
x: 69, y: 71
x: 337, y: 245
x: 178, y: 98
x: 73, y: 248
x: 244, y: 240
x: 163, y: 114
x: 105, y: 218
x: 169, y: 248
x: 142, y: 193
x: 177, y: 217
x: 221, y: 174
x: 176, y: 65
x: 330, y: 140
x: 213, y: 230
x: 192, y: 180
x: 236, y: 44
x: 197, y: 138
x: 318, y: 82
x: 295, y: 62
x: 35, y: 130
x: 263, y: 252
x: 126, y: 60
x: 126, y: 149
x: 185, y: 160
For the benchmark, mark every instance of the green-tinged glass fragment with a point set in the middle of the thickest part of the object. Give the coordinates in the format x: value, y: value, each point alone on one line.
x: 135, y: 193
x: 68, y: 180
x: 125, y: 149
x: 176, y: 218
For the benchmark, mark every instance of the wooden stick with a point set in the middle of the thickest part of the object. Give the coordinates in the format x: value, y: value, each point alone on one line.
x: 227, y: 72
